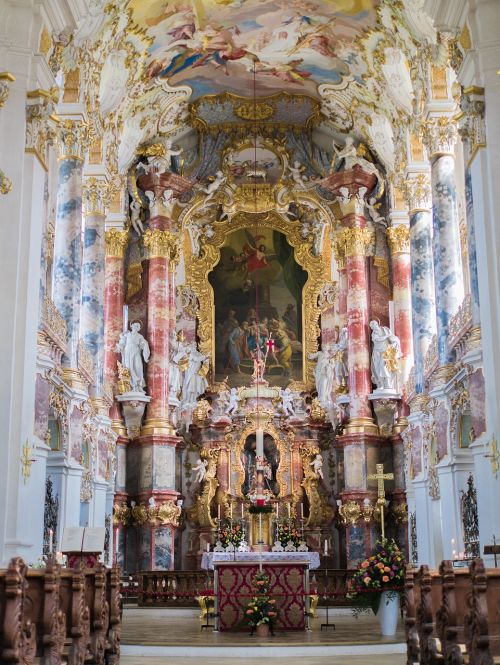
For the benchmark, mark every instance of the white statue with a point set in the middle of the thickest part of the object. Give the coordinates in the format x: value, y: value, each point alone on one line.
x: 195, y: 382
x: 162, y: 163
x: 340, y: 358
x: 133, y: 348
x: 323, y: 374
x: 213, y: 186
x: 386, y: 353
x: 178, y: 364
x: 317, y: 465
x: 135, y: 217
x: 151, y: 197
x: 351, y: 158
x: 233, y: 400
x: 373, y: 207
x: 151, y: 502
x: 201, y: 469
x: 197, y: 231
x: 287, y: 405
x: 296, y: 173
x: 168, y: 201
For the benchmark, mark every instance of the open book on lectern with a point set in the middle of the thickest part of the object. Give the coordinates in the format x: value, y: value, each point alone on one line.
x: 83, y: 539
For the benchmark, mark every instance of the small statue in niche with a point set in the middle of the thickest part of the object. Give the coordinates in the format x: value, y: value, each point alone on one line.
x: 287, y: 398
x: 317, y: 465
x: 200, y: 469
x: 340, y: 360
x: 178, y: 364
x: 135, y: 217
x: 386, y: 353
x: 233, y: 400
x: 134, y: 348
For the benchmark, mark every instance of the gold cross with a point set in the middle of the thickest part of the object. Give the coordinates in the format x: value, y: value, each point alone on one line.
x: 26, y: 461
x: 380, y: 476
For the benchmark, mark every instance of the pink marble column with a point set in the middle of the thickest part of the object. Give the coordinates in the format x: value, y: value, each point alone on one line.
x: 114, y: 298
x: 399, y: 243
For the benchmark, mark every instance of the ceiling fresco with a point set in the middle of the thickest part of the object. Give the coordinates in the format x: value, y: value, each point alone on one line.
x: 216, y: 45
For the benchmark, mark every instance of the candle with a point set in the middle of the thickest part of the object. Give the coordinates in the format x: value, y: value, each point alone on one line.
x: 242, y: 512
x: 231, y: 511
x: 259, y: 443
x: 125, y: 318
x: 208, y: 547
x: 51, y: 541
x: 289, y: 510
x: 326, y: 547
x: 218, y: 511
x: 302, y: 511
x: 116, y: 543
x: 277, y: 510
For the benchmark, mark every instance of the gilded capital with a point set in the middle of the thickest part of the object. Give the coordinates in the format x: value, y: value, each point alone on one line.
x: 162, y: 244
x: 354, y: 241
x: 6, y: 78
x: 95, y: 196
x: 40, y: 127
x: 73, y: 137
x: 116, y: 242
x: 472, y: 128
x: 418, y: 192
x: 399, y: 239
x: 440, y: 136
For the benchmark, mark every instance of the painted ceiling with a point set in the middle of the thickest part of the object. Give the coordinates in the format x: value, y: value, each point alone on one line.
x: 220, y: 45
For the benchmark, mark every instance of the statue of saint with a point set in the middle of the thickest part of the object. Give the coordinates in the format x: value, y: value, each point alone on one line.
x: 195, y: 381
x: 340, y: 359
x: 178, y: 364
x: 386, y: 353
x: 134, y: 348
x: 323, y: 375
x: 317, y: 465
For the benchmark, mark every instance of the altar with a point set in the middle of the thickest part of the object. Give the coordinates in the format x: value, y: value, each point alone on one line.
x: 289, y: 584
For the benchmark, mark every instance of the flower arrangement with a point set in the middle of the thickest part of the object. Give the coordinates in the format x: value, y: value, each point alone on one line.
x: 288, y: 533
x: 231, y: 534
x: 261, y: 609
x: 383, y: 571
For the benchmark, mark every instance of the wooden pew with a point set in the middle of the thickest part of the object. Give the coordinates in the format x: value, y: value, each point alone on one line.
x: 42, y: 605
x: 482, y: 624
x: 450, y: 616
x: 18, y: 640
x: 430, y: 599
x: 72, y: 599
x: 95, y: 599
x: 412, y: 599
x: 113, y: 597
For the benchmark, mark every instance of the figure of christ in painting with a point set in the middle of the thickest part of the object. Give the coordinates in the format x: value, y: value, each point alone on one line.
x: 237, y: 347
x: 271, y: 465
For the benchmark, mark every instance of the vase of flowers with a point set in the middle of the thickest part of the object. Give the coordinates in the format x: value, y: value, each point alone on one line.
x: 288, y: 533
x: 378, y: 583
x: 261, y: 612
x: 231, y: 534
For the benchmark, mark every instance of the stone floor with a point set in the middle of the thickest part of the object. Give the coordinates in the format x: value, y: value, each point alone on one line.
x: 166, y: 637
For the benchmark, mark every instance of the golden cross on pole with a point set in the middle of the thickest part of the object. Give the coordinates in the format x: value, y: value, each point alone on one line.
x: 380, y: 477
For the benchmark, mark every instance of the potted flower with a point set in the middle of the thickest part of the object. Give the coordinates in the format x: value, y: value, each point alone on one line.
x: 378, y: 583
x: 231, y: 534
x: 288, y: 533
x: 261, y: 612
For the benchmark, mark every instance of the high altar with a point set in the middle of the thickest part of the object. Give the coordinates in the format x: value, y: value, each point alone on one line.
x: 263, y: 267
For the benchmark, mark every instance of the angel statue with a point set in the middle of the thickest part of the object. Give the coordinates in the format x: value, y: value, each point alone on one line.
x: 134, y: 348
x: 233, y: 402
x: 135, y: 217
x: 213, y: 186
x: 317, y: 465
x: 161, y: 161
x: 347, y: 158
x: 340, y: 359
x: 201, y: 469
x: 386, y: 353
x: 323, y: 374
x: 287, y: 405
x: 296, y: 172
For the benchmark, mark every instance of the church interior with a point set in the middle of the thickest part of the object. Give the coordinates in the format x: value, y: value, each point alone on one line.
x: 251, y: 325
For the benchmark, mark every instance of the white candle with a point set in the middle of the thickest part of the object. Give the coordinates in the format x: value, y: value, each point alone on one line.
x: 277, y: 510
x: 289, y: 510
x: 208, y: 547
x: 259, y: 449
x: 125, y: 318
x: 218, y: 511
x: 51, y: 541
x: 242, y: 512
x: 326, y: 548
x: 116, y: 543
x: 260, y: 542
x: 230, y: 511
x: 302, y: 511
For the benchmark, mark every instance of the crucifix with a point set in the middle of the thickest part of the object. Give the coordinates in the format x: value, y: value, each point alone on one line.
x: 380, y: 476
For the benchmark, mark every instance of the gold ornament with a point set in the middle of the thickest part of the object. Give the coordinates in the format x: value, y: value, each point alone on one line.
x: 355, y: 241
x: 124, y: 384
x: 350, y: 512
x: 251, y: 111
x: 162, y: 244
x: 116, y: 242
x: 399, y: 239
x: 5, y: 183
x: 391, y: 358
x: 201, y: 510
x: 26, y: 461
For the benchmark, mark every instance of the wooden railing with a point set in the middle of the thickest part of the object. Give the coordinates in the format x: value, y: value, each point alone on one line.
x: 181, y: 588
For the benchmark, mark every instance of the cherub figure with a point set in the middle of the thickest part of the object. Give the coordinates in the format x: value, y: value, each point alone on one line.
x: 317, y: 465
x: 135, y: 217
x: 201, y: 470
x: 233, y: 402
x: 296, y: 173
x: 287, y: 398
x: 213, y: 186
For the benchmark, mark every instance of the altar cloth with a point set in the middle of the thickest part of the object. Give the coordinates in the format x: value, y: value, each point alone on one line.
x: 209, y: 558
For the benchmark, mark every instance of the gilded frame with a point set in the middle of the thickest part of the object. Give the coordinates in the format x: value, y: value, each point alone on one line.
x: 284, y: 444
x: 198, y: 269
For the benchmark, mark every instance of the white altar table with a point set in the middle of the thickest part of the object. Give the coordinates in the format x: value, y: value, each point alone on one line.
x: 209, y: 558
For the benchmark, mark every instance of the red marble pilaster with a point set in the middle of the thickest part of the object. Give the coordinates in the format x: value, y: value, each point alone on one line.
x: 114, y: 298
